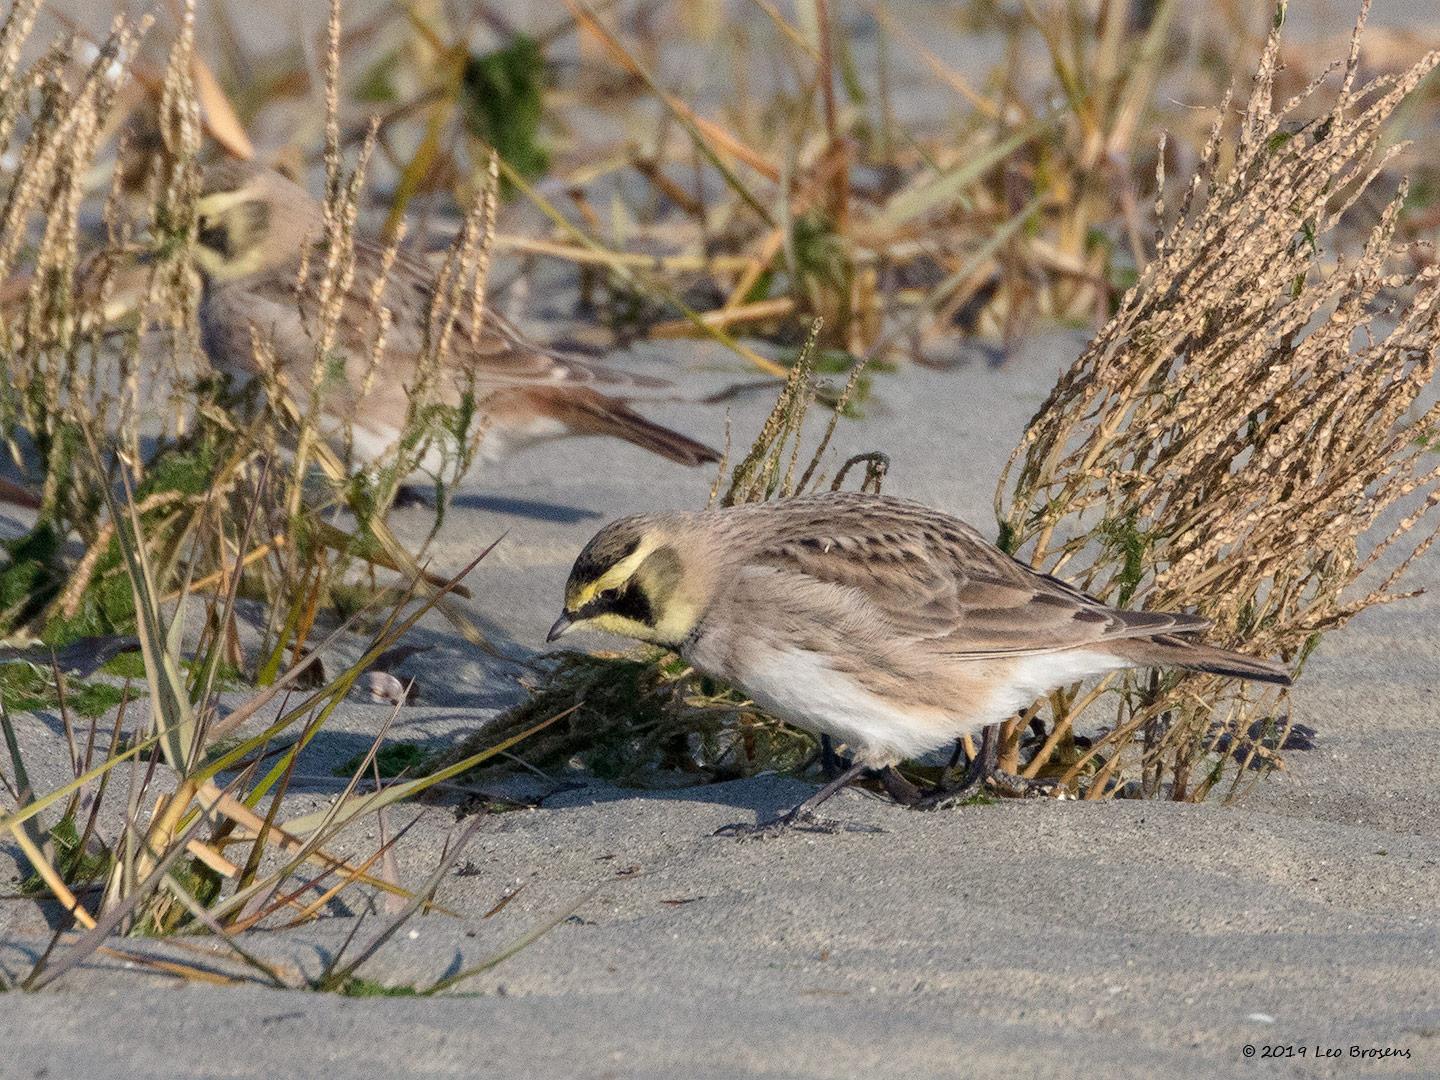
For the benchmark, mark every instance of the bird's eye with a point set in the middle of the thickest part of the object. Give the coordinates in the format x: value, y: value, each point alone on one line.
x: 213, y: 236
x: 608, y: 596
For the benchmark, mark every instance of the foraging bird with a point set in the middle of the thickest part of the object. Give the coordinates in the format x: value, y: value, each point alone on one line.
x: 882, y: 623
x: 253, y: 225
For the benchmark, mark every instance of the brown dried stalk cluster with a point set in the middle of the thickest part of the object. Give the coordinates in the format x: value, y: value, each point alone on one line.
x: 1244, y: 439
x: 768, y: 469
x: 99, y: 335
x: 894, y: 234
x: 53, y: 324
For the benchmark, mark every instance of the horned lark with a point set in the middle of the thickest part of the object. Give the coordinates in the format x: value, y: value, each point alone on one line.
x: 882, y: 623
x: 253, y: 224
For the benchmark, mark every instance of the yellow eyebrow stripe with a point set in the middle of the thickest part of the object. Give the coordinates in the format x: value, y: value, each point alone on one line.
x: 613, y: 578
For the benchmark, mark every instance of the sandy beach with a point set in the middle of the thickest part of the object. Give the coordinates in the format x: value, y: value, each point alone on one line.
x: 1036, y: 938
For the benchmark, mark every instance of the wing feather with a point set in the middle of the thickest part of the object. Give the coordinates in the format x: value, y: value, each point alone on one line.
x: 930, y: 579
x: 497, y: 355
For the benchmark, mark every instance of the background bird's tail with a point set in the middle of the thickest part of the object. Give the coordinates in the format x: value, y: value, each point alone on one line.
x: 1167, y: 650
x: 18, y: 496
x: 587, y: 412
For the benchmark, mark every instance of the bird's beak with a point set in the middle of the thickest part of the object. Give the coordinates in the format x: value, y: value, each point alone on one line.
x: 563, y: 626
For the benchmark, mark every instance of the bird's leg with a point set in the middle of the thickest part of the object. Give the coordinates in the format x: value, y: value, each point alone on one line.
x: 981, y: 771
x: 955, y: 756
x: 831, y: 763
x: 898, y: 788
x: 803, y: 812
x: 976, y: 774
x: 986, y: 760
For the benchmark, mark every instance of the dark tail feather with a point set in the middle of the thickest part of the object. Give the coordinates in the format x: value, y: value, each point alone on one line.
x: 591, y: 413
x: 634, y: 428
x: 18, y: 496
x: 1167, y: 651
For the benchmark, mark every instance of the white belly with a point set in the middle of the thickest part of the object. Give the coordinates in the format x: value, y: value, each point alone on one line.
x: 1031, y: 676
x: 802, y: 688
x: 370, y: 448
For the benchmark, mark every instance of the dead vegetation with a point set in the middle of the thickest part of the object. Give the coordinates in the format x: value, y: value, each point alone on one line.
x: 1246, y: 438
x: 102, y: 348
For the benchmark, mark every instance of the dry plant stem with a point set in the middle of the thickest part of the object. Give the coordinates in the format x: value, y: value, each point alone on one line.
x: 1232, y: 440
x: 1008, y: 758
x: 197, y: 800
x: 69, y: 601
x: 318, y: 904
x: 247, y: 899
x: 338, y: 975
x: 655, y: 264
x: 53, y: 881
x: 944, y: 72
x: 1062, y: 726
x: 525, y: 940
x: 702, y: 131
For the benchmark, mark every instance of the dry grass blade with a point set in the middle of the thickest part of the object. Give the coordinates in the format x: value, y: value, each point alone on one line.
x: 111, y: 919
x: 704, y: 132
x: 407, y: 789
x: 52, y: 878
x: 337, y: 975
x: 939, y: 194
x: 524, y: 941
x: 632, y: 275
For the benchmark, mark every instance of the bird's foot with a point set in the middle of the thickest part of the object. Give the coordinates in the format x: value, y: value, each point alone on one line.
x: 1004, y: 784
x: 803, y: 816
x: 979, y: 771
x: 949, y: 798
x: 984, y: 775
x: 768, y: 830
x: 1018, y: 787
x: 805, y: 821
x: 998, y: 782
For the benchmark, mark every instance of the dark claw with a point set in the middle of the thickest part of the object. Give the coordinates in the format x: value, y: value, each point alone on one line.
x: 831, y: 763
x: 1018, y: 787
x: 768, y: 830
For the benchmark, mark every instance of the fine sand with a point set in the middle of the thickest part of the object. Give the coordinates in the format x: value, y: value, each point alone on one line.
x: 1036, y: 938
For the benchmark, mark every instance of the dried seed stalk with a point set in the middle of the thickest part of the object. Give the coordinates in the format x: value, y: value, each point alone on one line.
x: 1233, y: 439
